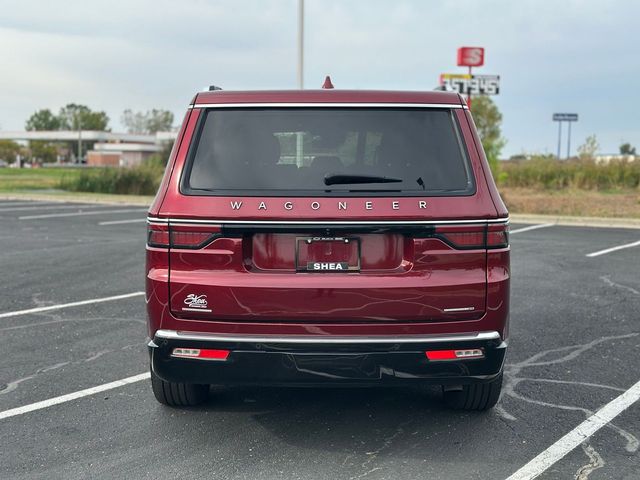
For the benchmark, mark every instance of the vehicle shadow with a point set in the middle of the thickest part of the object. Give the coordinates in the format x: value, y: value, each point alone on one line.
x: 361, y: 423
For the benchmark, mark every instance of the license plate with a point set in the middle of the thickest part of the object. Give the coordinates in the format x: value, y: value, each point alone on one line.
x: 328, y: 254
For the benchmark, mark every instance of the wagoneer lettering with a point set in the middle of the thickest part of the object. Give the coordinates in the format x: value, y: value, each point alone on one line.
x: 341, y: 205
x: 328, y: 237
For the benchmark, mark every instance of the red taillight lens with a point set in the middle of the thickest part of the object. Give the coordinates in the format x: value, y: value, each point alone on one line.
x: 191, y: 237
x: 158, y: 236
x: 441, y: 355
x: 454, y: 354
x: 181, y: 239
x: 466, y: 239
x: 467, y: 236
x: 497, y: 236
x: 200, y: 353
x: 470, y: 237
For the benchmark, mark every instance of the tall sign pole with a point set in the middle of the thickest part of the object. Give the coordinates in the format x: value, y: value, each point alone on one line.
x: 470, y: 57
x: 569, y: 118
x: 559, y: 137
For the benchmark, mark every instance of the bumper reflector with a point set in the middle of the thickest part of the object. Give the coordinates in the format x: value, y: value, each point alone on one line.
x: 454, y: 354
x: 200, y: 353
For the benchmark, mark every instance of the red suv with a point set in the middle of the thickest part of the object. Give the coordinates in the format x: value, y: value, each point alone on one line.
x: 328, y: 237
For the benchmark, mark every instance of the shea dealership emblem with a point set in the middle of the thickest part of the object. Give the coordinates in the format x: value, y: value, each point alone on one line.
x: 328, y: 266
x: 196, y: 303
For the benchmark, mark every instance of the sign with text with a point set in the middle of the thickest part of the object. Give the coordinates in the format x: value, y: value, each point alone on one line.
x: 470, y: 56
x: 471, y: 84
x: 565, y: 117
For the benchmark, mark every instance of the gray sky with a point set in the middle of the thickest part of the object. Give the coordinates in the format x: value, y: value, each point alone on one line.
x: 552, y: 56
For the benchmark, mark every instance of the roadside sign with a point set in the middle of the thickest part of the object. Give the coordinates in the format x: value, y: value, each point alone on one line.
x: 565, y: 117
x: 470, y: 56
x: 471, y: 84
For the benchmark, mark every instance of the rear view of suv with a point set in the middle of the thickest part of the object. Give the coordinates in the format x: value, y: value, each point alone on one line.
x: 328, y: 237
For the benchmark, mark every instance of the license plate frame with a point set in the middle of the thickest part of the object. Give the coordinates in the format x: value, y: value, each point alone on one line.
x: 306, y: 267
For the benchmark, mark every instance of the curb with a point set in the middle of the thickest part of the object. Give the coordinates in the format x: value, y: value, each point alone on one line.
x: 103, y: 199
x: 575, y: 221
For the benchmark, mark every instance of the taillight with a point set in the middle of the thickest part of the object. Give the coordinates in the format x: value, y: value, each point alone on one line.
x: 200, y: 353
x: 158, y: 235
x: 471, y: 236
x: 454, y: 354
x: 180, y: 239
x: 181, y: 236
x: 497, y: 236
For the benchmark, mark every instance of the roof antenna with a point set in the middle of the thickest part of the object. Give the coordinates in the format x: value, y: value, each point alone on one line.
x: 327, y: 82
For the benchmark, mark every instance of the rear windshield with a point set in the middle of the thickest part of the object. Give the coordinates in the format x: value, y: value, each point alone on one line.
x: 325, y: 151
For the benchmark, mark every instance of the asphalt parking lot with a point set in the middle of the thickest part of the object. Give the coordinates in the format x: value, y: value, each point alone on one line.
x: 574, y: 347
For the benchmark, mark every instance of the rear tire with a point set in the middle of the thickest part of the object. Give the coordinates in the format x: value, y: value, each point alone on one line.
x: 478, y: 396
x: 178, y: 394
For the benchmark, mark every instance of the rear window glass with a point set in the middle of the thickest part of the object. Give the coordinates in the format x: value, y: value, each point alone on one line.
x: 324, y: 151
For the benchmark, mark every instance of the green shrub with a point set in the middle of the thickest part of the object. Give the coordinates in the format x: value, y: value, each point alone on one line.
x: 141, y: 180
x: 548, y: 173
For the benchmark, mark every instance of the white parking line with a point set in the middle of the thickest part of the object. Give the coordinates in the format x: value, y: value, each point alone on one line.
x: 72, y: 304
x: 578, y: 435
x: 73, y: 396
x: 531, y: 227
x: 116, y: 222
x: 74, y: 214
x: 22, y: 204
x: 48, y: 207
x: 613, y: 249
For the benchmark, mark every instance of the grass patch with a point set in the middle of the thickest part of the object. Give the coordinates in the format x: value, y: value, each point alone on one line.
x: 590, y: 203
x: 576, y: 174
x: 26, y: 179
x: 141, y: 180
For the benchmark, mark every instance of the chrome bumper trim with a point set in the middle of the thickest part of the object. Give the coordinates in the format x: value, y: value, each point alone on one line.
x: 298, y: 339
x: 325, y: 223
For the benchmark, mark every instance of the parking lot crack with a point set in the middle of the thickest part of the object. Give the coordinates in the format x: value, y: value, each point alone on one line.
x: 373, y: 455
x: 557, y: 356
x: 13, y: 385
x: 595, y: 462
x: 608, y: 281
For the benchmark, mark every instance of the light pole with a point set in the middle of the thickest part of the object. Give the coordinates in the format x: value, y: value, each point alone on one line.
x: 299, y: 143
x: 79, y: 139
x: 301, y: 44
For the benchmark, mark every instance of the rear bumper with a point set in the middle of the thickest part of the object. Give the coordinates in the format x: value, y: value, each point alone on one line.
x: 334, y: 360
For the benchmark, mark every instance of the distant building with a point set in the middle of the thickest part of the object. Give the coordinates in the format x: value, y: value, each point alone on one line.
x: 615, y: 157
x: 109, y: 149
x: 121, y: 154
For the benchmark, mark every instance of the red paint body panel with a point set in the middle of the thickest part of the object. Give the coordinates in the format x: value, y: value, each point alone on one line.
x: 404, y: 285
x: 435, y: 278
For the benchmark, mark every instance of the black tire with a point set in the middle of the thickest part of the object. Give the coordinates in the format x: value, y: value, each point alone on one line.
x: 178, y: 394
x: 478, y: 396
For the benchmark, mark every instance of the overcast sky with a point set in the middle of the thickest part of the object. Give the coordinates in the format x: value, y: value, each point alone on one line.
x: 552, y: 56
